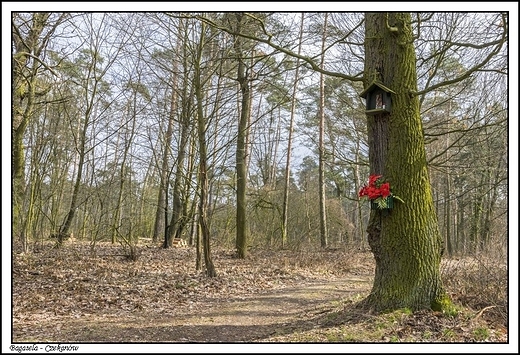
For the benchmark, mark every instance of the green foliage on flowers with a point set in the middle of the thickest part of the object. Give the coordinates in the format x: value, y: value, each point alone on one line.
x: 382, y: 203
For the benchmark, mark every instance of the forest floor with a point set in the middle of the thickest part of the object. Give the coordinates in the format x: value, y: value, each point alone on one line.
x: 79, y: 294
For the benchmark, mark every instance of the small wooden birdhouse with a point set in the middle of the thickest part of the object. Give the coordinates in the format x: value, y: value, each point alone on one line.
x: 378, y: 98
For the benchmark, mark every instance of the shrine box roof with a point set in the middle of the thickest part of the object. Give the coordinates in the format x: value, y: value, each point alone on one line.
x: 374, y: 86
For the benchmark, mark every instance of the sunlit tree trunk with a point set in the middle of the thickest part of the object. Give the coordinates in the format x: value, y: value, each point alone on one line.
x: 447, y: 198
x: 406, y: 242
x: 192, y: 171
x: 321, y: 148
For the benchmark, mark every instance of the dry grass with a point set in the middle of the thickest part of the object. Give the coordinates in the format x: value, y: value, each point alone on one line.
x: 480, y: 284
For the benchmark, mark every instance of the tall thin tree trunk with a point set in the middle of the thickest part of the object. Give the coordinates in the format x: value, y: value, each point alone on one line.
x: 359, y: 214
x: 179, y: 204
x: 128, y: 139
x: 321, y: 148
x: 81, y: 149
x: 274, y: 155
x: 241, y: 153
x: 203, y: 160
x: 160, y: 215
x: 287, y: 176
x: 447, y: 196
x: 192, y: 171
x: 177, y: 221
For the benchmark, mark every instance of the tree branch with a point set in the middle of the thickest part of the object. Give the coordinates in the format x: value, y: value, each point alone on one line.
x: 499, y: 44
x: 38, y: 60
x: 309, y: 61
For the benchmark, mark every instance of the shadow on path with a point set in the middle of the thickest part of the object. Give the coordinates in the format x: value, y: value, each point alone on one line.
x: 253, y: 318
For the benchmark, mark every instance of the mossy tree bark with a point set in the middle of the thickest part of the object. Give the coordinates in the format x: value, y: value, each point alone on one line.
x: 406, y: 242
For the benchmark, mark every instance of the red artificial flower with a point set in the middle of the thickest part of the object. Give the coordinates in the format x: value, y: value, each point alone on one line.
x: 377, y: 191
x: 375, y: 188
x: 385, y: 189
x: 373, y: 192
x: 373, y: 179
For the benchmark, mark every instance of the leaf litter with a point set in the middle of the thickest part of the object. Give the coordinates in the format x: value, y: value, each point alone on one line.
x: 83, y: 294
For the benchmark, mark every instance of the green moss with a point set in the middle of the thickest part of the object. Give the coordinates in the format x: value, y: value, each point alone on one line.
x: 445, y: 305
x: 331, y: 338
x: 407, y: 311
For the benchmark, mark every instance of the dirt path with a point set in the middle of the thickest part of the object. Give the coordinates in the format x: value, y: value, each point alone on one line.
x: 70, y: 296
x: 240, y: 319
x: 257, y: 318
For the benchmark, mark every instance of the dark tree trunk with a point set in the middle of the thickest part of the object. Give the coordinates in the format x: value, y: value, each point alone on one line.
x: 241, y: 153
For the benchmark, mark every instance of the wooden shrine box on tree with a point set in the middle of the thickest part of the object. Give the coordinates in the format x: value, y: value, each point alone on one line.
x: 378, y: 98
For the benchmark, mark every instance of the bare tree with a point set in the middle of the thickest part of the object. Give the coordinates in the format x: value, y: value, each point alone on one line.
x: 91, y: 70
x: 285, y: 205
x: 241, y: 154
x: 31, y: 34
x: 203, y: 156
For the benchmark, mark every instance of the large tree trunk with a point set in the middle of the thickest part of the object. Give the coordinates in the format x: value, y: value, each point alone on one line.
x: 406, y: 242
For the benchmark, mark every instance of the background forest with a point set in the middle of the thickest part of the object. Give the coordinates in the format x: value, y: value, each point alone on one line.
x: 107, y: 145
x: 244, y: 133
